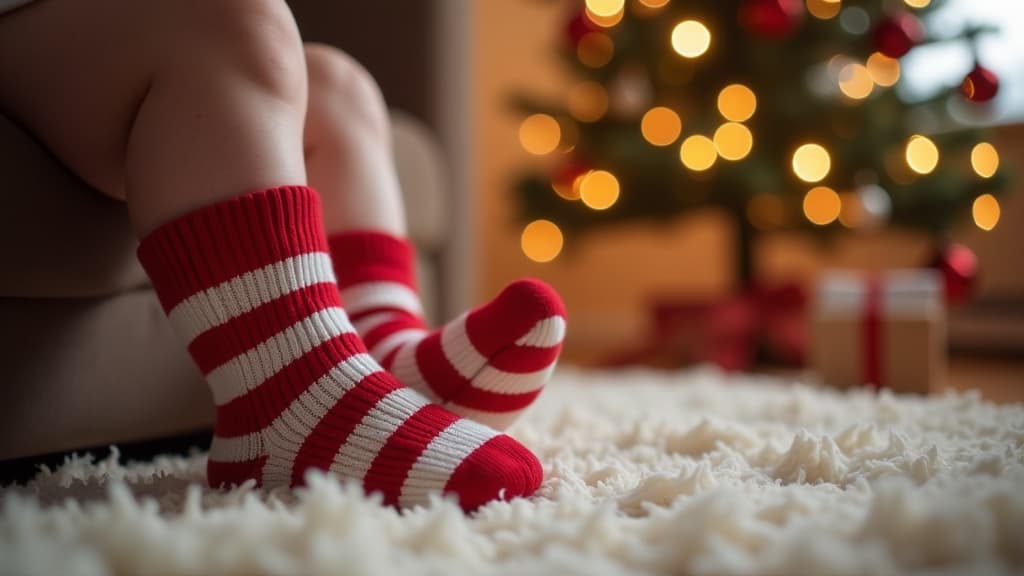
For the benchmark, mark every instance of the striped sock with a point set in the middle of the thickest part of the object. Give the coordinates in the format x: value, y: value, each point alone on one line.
x: 488, y: 364
x: 248, y: 284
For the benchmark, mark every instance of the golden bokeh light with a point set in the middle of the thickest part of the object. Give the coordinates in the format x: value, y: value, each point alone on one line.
x: 540, y: 134
x: 883, y: 70
x: 604, y: 21
x: 605, y: 8
x: 588, y: 101
x: 599, y: 189
x: 654, y: 3
x: 922, y: 155
x: 986, y: 211
x: 917, y: 3
x: 661, y: 126
x: 737, y: 103
x: 824, y: 9
x: 984, y: 159
x: 766, y: 211
x: 811, y: 162
x: 851, y: 211
x: 698, y: 153
x: 690, y: 39
x: 733, y: 141
x: 541, y: 241
x: 595, y: 49
x: 855, y: 81
x: 822, y: 205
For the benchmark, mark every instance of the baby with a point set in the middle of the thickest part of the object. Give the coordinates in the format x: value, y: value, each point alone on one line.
x: 258, y: 178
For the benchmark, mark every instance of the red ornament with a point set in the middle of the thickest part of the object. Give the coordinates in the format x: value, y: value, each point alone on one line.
x: 980, y: 84
x: 895, y: 36
x: 579, y: 26
x: 959, y: 268
x: 774, y: 19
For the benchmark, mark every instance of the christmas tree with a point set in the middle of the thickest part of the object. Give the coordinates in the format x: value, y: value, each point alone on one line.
x: 783, y: 113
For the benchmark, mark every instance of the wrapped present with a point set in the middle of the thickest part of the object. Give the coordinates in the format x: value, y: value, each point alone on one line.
x: 885, y: 330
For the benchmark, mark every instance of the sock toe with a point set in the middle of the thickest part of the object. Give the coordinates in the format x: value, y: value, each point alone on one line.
x: 517, y: 310
x: 500, y: 469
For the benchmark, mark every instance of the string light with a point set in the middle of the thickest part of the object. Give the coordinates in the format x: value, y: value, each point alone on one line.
x: 595, y: 49
x: 855, y: 81
x: 811, y: 162
x: 599, y: 189
x: 604, y: 21
x: 824, y: 9
x: 984, y: 159
x: 541, y: 241
x: 986, y: 211
x: 661, y: 126
x: 605, y: 8
x: 737, y: 103
x: 884, y: 71
x: 822, y: 205
x: 733, y: 141
x: 698, y: 153
x: 539, y: 134
x: 588, y: 101
x: 922, y: 155
x: 690, y: 39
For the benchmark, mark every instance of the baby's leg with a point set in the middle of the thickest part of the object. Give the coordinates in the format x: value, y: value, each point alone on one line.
x: 193, y: 111
x: 490, y: 363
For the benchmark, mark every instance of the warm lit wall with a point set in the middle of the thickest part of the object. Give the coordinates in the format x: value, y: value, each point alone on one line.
x: 608, y: 280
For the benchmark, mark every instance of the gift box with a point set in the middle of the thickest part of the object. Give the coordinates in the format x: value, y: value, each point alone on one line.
x: 886, y: 330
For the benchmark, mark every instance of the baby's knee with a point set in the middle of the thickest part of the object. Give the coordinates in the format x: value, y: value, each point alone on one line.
x: 256, y: 41
x: 341, y: 88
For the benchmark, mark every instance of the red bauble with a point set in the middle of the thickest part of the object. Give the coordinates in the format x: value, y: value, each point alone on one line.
x: 980, y: 85
x: 579, y: 26
x: 773, y: 19
x: 959, y: 268
x: 895, y: 36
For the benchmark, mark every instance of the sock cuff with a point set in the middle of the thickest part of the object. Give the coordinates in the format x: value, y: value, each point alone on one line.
x: 225, y: 240
x: 372, y: 256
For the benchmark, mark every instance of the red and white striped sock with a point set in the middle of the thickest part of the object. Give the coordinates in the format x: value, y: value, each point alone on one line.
x: 248, y: 283
x: 488, y: 364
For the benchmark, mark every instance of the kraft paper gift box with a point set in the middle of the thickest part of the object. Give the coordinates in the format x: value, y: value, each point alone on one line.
x: 886, y: 330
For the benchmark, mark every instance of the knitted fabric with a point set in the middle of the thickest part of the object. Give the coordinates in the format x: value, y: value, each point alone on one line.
x: 249, y: 285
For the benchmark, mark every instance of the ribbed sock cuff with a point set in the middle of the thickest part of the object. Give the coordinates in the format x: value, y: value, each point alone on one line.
x: 372, y: 256
x: 216, y: 243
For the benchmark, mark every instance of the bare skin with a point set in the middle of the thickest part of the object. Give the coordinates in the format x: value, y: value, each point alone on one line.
x: 171, y: 120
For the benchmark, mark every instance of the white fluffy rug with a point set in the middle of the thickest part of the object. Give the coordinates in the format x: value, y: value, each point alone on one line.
x: 693, y: 472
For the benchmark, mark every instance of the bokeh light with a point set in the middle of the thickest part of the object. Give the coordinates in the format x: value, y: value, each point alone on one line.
x: 737, y: 103
x: 661, y: 126
x: 884, y: 71
x: 824, y: 9
x: 917, y: 3
x: 539, y: 134
x: 822, y: 205
x: 698, y: 153
x: 595, y: 49
x: 588, y: 101
x: 811, y: 162
x: 855, y: 81
x: 986, y: 211
x: 541, y: 241
x: 984, y: 159
x: 654, y: 3
x: 922, y: 155
x: 604, y: 21
x: 605, y: 8
x: 599, y: 189
x: 733, y: 141
x: 690, y: 38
